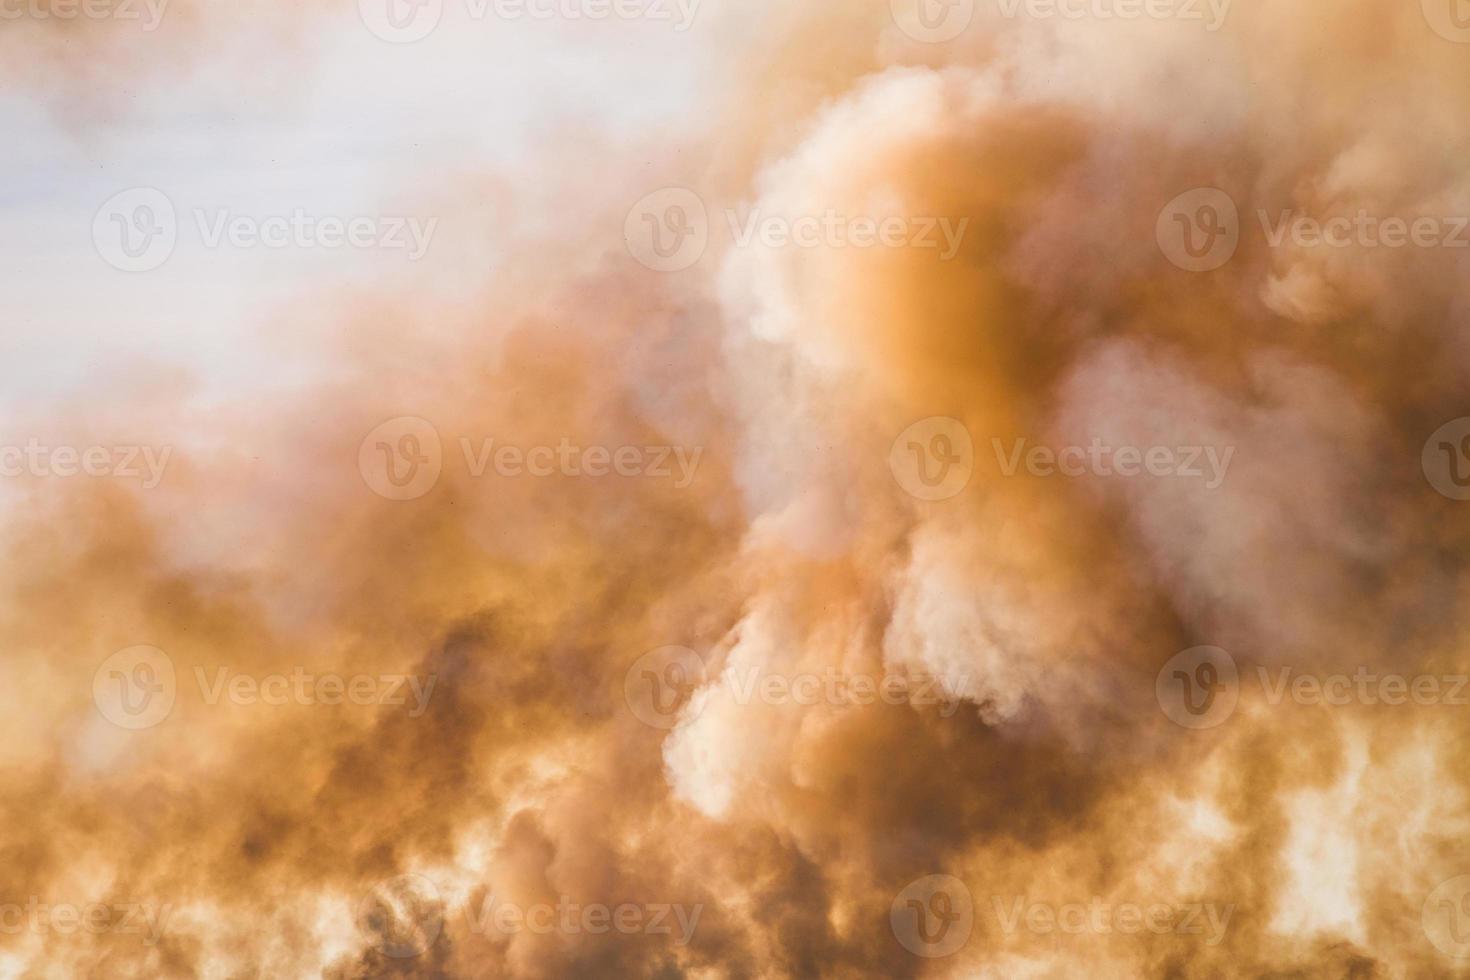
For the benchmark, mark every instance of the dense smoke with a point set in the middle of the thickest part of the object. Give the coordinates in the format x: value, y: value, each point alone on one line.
x: 818, y: 569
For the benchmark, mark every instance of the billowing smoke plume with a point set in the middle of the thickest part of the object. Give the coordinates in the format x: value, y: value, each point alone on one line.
x: 948, y: 515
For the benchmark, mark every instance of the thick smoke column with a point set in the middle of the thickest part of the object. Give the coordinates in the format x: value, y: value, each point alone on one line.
x: 983, y: 500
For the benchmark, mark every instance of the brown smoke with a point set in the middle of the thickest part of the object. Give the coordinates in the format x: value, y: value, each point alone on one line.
x: 354, y: 841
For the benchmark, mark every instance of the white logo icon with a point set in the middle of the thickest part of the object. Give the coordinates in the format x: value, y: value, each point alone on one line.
x: 1199, y: 230
x: 136, y: 230
x: 135, y: 688
x: 1199, y: 687
x: 668, y: 230
x: 933, y: 459
x: 402, y: 458
x: 1450, y: 19
x: 933, y: 917
x: 933, y: 21
x: 401, y: 21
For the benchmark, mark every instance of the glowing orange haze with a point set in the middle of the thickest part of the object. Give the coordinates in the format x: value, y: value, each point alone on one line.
x: 462, y: 734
